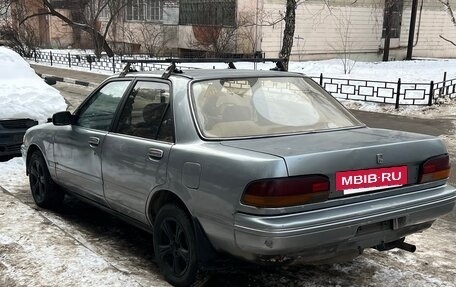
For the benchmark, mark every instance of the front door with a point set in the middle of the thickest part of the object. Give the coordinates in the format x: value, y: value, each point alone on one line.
x: 135, y: 155
x: 77, y: 147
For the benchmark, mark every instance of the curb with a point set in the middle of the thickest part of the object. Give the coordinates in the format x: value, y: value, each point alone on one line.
x: 69, y: 80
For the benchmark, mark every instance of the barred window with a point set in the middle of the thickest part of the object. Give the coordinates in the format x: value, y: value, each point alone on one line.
x: 207, y: 12
x: 145, y: 10
x: 4, y: 11
x: 105, y: 14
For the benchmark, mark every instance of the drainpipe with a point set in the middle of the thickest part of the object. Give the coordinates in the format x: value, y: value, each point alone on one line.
x: 412, y: 30
x: 389, y: 14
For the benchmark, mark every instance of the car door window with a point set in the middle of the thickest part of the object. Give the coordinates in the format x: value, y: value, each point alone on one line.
x: 147, y: 112
x: 99, y: 111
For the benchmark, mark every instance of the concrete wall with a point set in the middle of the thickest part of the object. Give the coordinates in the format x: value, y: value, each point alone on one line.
x: 61, y: 34
x: 327, y: 32
x: 435, y: 21
x: 324, y: 32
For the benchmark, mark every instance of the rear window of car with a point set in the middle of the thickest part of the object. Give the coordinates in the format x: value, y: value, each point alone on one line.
x: 253, y: 107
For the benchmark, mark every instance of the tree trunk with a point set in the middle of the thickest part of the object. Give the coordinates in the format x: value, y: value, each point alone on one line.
x: 98, y: 37
x: 288, y: 33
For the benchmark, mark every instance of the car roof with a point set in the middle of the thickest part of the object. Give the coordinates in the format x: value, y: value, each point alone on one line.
x: 203, y: 74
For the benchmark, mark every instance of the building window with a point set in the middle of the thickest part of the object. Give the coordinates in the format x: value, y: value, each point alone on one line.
x: 104, y: 14
x: 145, y: 10
x: 396, y: 18
x: 207, y: 12
x: 4, y: 11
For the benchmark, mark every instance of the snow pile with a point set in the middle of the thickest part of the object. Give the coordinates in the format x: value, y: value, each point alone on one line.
x: 23, y: 94
x: 71, y: 51
x: 416, y: 71
x: 13, y: 173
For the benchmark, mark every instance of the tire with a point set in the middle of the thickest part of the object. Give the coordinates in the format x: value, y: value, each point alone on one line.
x: 44, y: 191
x: 175, y: 246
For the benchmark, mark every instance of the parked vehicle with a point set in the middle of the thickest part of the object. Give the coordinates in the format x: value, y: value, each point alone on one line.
x: 261, y: 165
x: 11, y: 134
x: 25, y: 100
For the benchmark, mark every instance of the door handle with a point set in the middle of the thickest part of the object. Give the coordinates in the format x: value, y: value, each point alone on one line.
x: 155, y: 153
x: 94, y: 141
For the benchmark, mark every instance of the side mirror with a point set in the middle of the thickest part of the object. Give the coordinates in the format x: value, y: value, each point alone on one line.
x: 62, y: 118
x: 50, y: 81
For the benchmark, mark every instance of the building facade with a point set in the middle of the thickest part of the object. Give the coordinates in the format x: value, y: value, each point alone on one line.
x: 324, y: 29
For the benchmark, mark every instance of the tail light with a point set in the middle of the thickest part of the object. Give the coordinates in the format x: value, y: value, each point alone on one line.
x: 283, y: 192
x: 435, y: 168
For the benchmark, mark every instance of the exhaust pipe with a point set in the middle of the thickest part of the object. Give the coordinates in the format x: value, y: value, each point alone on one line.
x: 406, y: 246
x: 396, y: 244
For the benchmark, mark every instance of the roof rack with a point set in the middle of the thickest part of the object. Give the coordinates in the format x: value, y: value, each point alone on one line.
x: 173, y: 61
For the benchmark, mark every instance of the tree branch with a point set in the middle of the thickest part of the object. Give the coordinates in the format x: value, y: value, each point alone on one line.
x: 89, y: 29
x: 448, y: 40
x: 34, y: 15
x: 450, y: 10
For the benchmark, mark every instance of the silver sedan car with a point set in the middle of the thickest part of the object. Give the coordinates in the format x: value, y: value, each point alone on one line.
x: 264, y: 166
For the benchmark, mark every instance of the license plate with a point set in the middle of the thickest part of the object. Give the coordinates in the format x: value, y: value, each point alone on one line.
x: 356, y: 181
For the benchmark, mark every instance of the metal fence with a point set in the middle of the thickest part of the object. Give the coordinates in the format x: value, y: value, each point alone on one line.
x: 91, y: 62
x: 396, y: 93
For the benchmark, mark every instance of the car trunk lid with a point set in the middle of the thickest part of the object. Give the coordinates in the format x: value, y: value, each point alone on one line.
x: 328, y: 153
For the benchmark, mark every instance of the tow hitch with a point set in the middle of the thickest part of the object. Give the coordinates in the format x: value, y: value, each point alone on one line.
x: 401, y: 244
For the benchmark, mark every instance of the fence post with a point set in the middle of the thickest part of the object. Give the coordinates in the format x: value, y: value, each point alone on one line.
x: 114, y: 64
x: 431, y: 93
x: 50, y: 56
x: 398, y: 93
x: 35, y: 56
x: 69, y: 60
x: 321, y: 79
x: 444, y: 84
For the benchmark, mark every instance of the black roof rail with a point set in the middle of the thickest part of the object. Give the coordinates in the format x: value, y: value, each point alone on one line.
x: 173, y: 61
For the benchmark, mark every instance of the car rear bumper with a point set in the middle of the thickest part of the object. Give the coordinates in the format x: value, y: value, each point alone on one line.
x: 325, y: 233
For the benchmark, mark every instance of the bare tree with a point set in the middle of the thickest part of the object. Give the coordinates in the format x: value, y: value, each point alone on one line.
x: 153, y: 38
x: 288, y: 32
x: 88, y: 19
x: 344, y: 45
x: 215, y: 41
x: 22, y: 39
x: 449, y: 9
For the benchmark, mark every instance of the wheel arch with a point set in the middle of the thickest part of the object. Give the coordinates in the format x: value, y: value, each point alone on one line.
x: 32, y: 148
x: 161, y: 198
x: 206, y: 251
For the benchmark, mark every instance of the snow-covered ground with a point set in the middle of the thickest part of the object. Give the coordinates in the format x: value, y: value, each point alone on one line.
x: 23, y: 94
x: 71, y: 51
x: 81, y: 246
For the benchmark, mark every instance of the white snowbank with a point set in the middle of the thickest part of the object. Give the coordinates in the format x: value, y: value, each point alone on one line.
x: 13, y: 173
x: 23, y: 94
x: 416, y: 71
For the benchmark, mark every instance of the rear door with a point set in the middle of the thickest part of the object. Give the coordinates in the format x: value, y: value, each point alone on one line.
x: 135, y: 154
x: 77, y: 147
